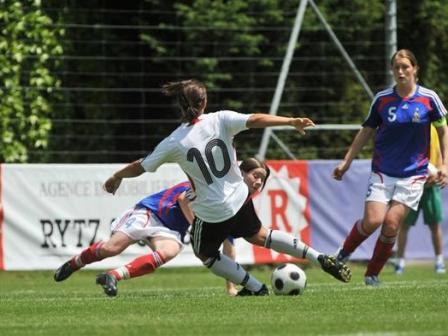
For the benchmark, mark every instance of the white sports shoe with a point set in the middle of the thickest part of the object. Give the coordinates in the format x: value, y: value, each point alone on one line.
x: 440, y: 268
x: 372, y: 280
x: 399, y: 270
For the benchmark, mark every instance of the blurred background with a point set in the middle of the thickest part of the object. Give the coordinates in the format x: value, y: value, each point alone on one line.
x: 80, y: 80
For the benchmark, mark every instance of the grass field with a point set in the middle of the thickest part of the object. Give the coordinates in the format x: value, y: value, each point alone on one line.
x: 191, y: 301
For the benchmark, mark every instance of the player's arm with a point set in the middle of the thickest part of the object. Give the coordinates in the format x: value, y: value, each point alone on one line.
x: 261, y: 120
x: 184, y: 204
x: 133, y: 169
x: 358, y: 143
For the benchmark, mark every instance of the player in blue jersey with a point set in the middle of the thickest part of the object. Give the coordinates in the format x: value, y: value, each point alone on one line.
x: 400, y: 118
x: 158, y: 220
x: 161, y: 221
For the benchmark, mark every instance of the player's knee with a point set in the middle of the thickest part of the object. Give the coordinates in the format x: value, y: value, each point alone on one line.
x: 169, y: 253
x: 209, y: 261
x: 109, y: 250
x: 391, y: 227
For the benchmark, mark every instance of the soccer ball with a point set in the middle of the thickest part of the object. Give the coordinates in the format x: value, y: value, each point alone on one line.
x: 288, y: 279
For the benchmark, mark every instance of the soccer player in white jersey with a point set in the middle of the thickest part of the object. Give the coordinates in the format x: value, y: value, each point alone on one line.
x: 400, y: 118
x: 203, y: 147
x: 162, y: 220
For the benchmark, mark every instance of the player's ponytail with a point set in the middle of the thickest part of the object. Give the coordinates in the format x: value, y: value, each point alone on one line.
x: 191, y: 96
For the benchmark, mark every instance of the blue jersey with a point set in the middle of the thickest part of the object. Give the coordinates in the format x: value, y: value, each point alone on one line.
x: 165, y: 206
x: 403, y: 131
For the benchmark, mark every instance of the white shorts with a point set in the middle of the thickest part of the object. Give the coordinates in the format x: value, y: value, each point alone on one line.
x: 141, y: 224
x: 405, y: 190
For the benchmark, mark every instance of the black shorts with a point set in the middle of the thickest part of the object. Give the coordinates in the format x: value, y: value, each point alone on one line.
x: 206, y: 238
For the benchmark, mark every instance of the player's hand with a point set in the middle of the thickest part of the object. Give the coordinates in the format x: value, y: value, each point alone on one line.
x: 340, y: 170
x: 112, y: 184
x: 301, y: 123
x: 442, y: 177
x: 431, y: 180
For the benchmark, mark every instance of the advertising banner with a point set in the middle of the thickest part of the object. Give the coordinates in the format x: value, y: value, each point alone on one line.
x: 50, y: 212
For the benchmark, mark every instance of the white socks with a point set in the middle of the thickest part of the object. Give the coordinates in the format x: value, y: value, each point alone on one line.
x: 285, y: 243
x: 228, y: 269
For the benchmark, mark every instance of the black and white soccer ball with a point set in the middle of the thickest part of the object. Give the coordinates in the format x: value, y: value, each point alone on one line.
x: 288, y: 279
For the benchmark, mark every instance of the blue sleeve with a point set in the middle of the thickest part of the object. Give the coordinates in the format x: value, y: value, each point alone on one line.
x: 373, y: 119
x: 438, y: 110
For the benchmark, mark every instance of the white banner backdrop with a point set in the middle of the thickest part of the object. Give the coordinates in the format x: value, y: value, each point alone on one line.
x: 54, y: 211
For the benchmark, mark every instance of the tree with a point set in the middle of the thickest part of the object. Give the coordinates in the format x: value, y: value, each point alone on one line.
x: 28, y: 45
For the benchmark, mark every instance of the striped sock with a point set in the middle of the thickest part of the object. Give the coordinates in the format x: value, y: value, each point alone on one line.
x: 355, y: 238
x: 225, y: 267
x: 88, y: 256
x: 139, y: 266
x: 285, y: 243
x: 381, y: 253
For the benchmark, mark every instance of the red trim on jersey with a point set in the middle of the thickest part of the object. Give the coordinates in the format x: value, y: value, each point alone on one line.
x: 195, y: 121
x: 385, y: 100
x: 173, y: 200
x: 425, y: 101
x: 168, y: 194
x: 2, y: 264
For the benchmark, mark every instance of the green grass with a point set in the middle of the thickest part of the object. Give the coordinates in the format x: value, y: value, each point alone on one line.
x: 191, y: 301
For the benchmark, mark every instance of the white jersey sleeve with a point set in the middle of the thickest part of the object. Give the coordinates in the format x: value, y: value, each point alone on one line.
x: 160, y: 155
x: 234, y: 122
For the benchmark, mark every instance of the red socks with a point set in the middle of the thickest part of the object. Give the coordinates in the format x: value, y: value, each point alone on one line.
x: 139, y: 266
x: 381, y: 253
x: 356, y: 236
x: 88, y: 256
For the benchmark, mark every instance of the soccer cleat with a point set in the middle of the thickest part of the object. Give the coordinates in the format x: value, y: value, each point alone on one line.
x: 399, y: 270
x: 372, y: 280
x: 336, y: 268
x: 263, y: 291
x: 108, y: 282
x: 342, y: 256
x: 440, y: 268
x: 63, y: 272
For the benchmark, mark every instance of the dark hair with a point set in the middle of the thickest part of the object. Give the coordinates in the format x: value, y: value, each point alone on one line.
x: 252, y: 163
x: 190, y: 95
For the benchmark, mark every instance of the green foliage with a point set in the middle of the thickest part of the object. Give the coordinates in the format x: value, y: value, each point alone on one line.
x: 227, y: 29
x: 28, y: 45
x: 422, y: 29
x: 231, y: 45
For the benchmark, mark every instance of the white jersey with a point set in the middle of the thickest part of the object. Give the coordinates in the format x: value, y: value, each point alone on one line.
x: 206, y: 154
